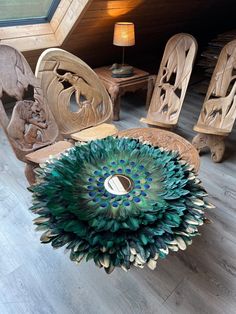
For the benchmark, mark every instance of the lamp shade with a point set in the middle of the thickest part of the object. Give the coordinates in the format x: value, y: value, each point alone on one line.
x: 124, y: 34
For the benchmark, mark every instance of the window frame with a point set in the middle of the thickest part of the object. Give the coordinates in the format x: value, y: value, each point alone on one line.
x: 46, y: 35
x: 32, y: 20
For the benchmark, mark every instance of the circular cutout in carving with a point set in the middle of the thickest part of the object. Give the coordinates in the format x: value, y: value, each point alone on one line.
x: 118, y: 184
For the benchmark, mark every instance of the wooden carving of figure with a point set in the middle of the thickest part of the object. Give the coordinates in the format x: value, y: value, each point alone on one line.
x: 31, y: 124
x: 63, y: 76
x: 26, y: 123
x: 93, y: 98
x: 218, y: 112
x: 169, y: 101
x: 223, y: 72
x: 172, y: 81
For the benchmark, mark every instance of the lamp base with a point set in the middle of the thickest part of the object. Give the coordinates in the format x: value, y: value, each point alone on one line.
x: 119, y: 71
x: 121, y: 75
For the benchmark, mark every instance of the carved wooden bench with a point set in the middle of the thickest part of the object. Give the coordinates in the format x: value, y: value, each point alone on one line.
x: 172, y: 81
x: 65, y: 77
x: 218, y: 112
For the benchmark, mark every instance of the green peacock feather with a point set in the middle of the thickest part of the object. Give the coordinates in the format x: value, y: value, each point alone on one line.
x: 162, y: 211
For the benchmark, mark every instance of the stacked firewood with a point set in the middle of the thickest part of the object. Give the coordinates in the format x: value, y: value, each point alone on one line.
x: 210, y: 55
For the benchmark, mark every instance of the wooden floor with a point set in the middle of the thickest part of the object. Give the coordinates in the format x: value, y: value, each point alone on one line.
x: 36, y: 279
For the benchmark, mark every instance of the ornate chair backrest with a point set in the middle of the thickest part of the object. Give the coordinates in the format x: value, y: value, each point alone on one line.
x: 219, y: 107
x: 63, y: 75
x: 172, y: 79
x: 31, y: 124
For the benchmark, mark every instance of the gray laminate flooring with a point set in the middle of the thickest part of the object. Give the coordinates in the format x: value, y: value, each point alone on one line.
x: 35, y: 279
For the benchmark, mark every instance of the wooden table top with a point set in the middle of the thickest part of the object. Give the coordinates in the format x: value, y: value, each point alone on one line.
x: 104, y: 73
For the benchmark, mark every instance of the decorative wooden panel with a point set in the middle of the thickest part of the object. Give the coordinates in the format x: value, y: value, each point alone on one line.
x: 172, y: 81
x: 63, y: 75
x: 218, y: 112
x: 167, y: 140
x: 219, y: 108
x: 155, y: 22
x: 31, y: 124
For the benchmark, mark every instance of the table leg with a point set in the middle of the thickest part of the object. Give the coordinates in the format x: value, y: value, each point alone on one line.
x: 150, y: 88
x: 115, y: 98
x: 29, y: 172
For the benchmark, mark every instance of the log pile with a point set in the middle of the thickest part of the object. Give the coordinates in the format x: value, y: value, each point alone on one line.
x: 210, y: 55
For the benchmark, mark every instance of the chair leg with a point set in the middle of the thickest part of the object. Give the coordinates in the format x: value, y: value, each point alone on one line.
x: 29, y: 172
x: 215, y: 143
x: 150, y: 88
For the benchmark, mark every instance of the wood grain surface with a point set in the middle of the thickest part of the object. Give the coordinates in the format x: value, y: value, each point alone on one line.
x: 218, y: 111
x: 167, y: 140
x: 93, y: 103
x: 172, y: 81
x: 117, y: 87
x: 95, y: 133
x: 35, y: 279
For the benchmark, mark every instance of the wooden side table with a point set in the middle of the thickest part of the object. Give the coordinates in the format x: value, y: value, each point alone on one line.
x: 117, y: 87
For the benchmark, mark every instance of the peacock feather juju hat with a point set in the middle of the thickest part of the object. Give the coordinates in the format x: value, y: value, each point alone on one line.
x: 119, y: 202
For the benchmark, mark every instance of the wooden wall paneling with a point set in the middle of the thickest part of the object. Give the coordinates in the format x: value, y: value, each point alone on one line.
x: 115, y: 4
x: 59, y: 14
x: 39, y: 42
x: 155, y: 22
x: 32, y: 57
x: 74, y: 14
x: 31, y: 30
x: 150, y: 18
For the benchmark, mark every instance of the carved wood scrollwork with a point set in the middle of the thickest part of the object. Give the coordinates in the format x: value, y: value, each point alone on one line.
x: 167, y: 140
x: 172, y: 80
x: 219, y: 108
x: 62, y: 75
x: 31, y: 124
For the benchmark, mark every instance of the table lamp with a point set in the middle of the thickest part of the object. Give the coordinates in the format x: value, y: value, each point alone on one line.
x: 124, y: 37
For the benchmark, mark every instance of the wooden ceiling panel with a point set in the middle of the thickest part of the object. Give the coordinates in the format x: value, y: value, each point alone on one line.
x: 155, y: 21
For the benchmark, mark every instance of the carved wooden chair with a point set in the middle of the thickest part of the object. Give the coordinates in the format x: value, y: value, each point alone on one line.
x: 31, y: 126
x: 66, y: 79
x: 32, y: 130
x: 172, y: 81
x: 218, y: 112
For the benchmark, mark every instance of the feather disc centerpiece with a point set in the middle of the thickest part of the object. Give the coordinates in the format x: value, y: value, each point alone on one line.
x: 119, y: 202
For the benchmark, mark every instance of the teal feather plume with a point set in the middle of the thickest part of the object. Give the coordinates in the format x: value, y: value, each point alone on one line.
x: 162, y: 213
